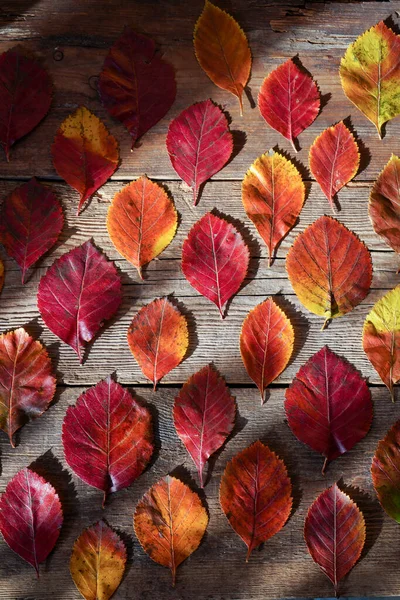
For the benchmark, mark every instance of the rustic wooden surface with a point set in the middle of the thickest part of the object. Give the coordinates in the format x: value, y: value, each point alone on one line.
x: 80, y: 33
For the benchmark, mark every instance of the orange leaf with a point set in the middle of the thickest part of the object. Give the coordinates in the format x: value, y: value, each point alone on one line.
x: 222, y: 50
x: 334, y: 159
x: 158, y: 338
x: 255, y: 495
x: 84, y: 153
x: 273, y: 195
x: 170, y: 522
x: 329, y: 268
x: 141, y: 221
x: 266, y: 343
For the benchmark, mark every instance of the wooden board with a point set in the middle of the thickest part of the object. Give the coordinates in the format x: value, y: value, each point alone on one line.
x: 80, y: 33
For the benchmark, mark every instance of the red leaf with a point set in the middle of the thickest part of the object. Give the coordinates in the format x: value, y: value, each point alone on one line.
x: 199, y: 143
x: 215, y: 259
x: 136, y: 85
x: 289, y: 100
x: 334, y: 159
x: 107, y: 437
x: 328, y: 405
x: 31, y: 221
x: 335, y: 533
x: 26, y: 380
x: 25, y: 97
x: 255, y: 495
x: 79, y: 291
x: 204, y: 415
x: 30, y: 517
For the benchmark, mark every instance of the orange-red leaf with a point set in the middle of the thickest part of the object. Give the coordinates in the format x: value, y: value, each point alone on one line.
x: 158, y: 338
x: 27, y: 385
x: 289, y: 100
x: 255, y: 494
x: 222, y: 50
x: 204, y: 415
x: 266, y: 343
x: 84, y: 153
x: 385, y: 471
x: 273, y: 195
x: 329, y: 268
x: 335, y: 533
x: 141, y: 221
x: 334, y: 159
x: 170, y: 522
x: 215, y: 259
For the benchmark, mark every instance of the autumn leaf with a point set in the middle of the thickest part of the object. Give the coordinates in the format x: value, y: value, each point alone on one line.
x: 289, y: 100
x: 334, y: 159
x: 381, y: 338
x: 84, y: 153
x: 30, y: 517
x: 158, y: 339
x: 141, y: 221
x: 384, y: 204
x: 170, y: 522
x: 204, y: 415
x: 80, y: 291
x: 25, y: 97
x: 113, y: 433
x: 335, y: 533
x: 222, y: 50
x: 385, y: 471
x: 215, y: 259
x: 328, y: 405
x: 370, y: 71
x: 1, y: 275
x: 97, y: 562
x: 329, y: 268
x: 137, y: 86
x: 31, y: 220
x: 266, y: 343
x: 199, y: 143
x: 273, y: 195
x: 255, y: 495
x: 27, y: 384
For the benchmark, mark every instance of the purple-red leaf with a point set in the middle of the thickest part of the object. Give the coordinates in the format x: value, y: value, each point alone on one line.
x: 136, y: 85
x: 30, y: 517
x: 199, y: 143
x: 78, y: 293
x: 328, y: 405
x: 25, y: 97
x: 215, y: 259
x: 204, y: 415
x: 31, y: 220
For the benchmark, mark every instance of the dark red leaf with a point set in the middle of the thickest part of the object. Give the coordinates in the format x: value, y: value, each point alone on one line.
x: 31, y: 220
x: 107, y: 437
x: 328, y: 405
x: 199, y: 143
x: 79, y: 291
x: 30, y: 517
x: 136, y: 85
x: 25, y: 97
x: 204, y: 415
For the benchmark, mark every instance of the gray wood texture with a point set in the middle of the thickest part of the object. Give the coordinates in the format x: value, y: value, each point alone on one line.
x: 80, y: 33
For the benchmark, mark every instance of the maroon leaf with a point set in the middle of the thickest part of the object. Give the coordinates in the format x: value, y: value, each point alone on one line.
x: 328, y: 405
x: 31, y: 220
x: 79, y: 291
x: 136, y: 85
x: 204, y: 415
x: 30, y: 517
x: 25, y: 97
x: 107, y: 437
x: 199, y: 143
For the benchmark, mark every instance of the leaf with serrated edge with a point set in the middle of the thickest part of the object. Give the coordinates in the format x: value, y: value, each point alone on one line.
x: 385, y: 471
x: 170, y: 522
x: 204, y: 415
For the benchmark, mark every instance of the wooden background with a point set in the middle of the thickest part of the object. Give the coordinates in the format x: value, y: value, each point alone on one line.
x: 79, y: 33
